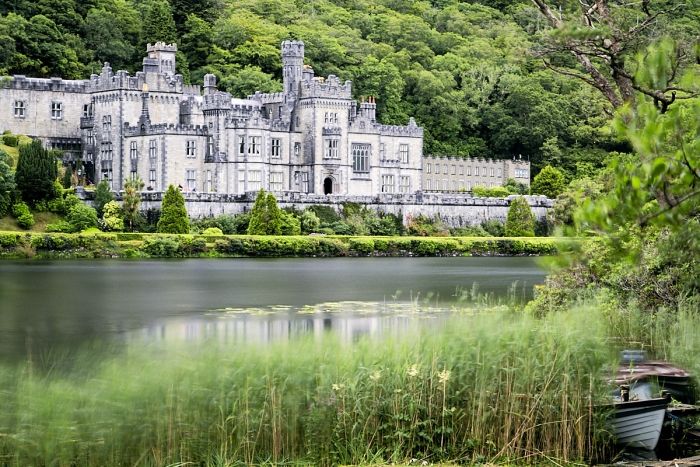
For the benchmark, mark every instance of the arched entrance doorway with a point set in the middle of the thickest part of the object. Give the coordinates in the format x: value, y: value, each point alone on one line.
x: 328, y: 186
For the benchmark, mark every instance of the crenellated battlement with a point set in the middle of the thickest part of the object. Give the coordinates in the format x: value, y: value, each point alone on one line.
x: 293, y: 48
x: 161, y: 47
x: 45, y: 84
x: 165, y: 128
x: 328, y: 88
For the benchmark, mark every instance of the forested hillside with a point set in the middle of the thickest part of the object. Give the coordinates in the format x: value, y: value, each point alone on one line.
x: 484, y: 78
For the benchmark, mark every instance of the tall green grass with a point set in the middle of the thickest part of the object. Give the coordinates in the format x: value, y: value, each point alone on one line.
x: 487, y: 387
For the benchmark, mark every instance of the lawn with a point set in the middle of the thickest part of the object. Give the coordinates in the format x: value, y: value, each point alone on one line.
x: 42, y: 219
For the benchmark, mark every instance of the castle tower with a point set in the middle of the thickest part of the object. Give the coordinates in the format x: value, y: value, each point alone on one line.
x: 160, y: 59
x: 292, y: 65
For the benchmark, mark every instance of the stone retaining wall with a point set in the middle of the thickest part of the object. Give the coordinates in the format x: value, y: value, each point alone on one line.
x: 456, y: 210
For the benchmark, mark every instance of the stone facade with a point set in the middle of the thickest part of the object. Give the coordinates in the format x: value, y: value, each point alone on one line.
x: 455, y: 174
x: 311, y: 138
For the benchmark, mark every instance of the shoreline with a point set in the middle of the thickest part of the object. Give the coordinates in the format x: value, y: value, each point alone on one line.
x: 30, y: 245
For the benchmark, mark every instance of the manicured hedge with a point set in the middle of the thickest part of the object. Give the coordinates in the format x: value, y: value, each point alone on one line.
x: 140, y: 245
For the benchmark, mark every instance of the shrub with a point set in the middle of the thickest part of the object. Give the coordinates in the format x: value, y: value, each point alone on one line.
x: 495, y: 192
x: 424, y: 226
x: 7, y: 183
x: 24, y: 216
x: 11, y: 140
x: 362, y: 246
x: 494, y: 227
x: 9, y: 240
x: 60, y: 226
x: 290, y: 224
x: 212, y: 231
x: 57, y: 205
x: 520, y: 221
x: 161, y: 246
x: 190, y: 245
x: 103, y: 195
x: 309, y: 222
x: 112, y: 217
x: 81, y: 217
x: 549, y: 182
x: 173, y: 217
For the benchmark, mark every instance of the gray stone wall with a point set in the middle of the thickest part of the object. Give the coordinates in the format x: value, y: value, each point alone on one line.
x: 456, y: 210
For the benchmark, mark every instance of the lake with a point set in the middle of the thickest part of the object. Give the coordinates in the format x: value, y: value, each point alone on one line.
x: 56, y: 306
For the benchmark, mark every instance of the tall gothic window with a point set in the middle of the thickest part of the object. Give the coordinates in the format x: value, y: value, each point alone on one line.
x: 404, y: 184
x: 191, y: 148
x: 191, y: 179
x: 152, y: 150
x: 360, y: 157
x: 331, y: 148
x: 134, y: 157
x: 107, y: 123
x: 403, y: 153
x: 276, y: 148
x: 254, y: 144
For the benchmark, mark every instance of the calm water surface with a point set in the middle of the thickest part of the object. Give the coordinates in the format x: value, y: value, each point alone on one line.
x: 53, y: 306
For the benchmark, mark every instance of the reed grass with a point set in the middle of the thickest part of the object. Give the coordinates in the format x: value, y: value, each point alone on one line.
x: 490, y: 387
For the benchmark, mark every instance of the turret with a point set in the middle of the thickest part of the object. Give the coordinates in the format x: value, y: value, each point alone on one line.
x: 209, y: 84
x: 292, y: 65
x: 160, y: 59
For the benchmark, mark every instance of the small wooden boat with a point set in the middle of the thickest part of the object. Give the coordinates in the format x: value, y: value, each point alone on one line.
x: 637, y: 424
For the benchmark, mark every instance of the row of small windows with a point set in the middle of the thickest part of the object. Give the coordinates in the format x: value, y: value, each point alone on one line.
x: 331, y: 117
x: 485, y: 172
x: 454, y: 185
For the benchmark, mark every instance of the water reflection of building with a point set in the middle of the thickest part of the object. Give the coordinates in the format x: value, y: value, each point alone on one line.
x: 243, y: 328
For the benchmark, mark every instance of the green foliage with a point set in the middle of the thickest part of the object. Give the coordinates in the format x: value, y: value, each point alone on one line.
x: 493, y: 192
x: 112, y: 217
x: 520, y: 221
x: 103, y: 195
x: 36, y: 172
x: 424, y: 226
x: 549, y: 182
x: 132, y: 202
x: 7, y: 183
x: 173, y: 217
x: 265, y: 217
x: 289, y: 224
x: 67, y: 179
x: 212, y: 231
x: 8, y: 139
x: 309, y: 222
x: 24, y: 216
x: 82, y: 217
x: 516, y: 188
x: 494, y: 227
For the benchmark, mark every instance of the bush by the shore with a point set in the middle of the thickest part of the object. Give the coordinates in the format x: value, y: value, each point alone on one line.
x: 130, y: 245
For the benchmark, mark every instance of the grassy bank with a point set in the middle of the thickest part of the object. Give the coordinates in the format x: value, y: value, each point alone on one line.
x: 490, y: 387
x: 138, y: 245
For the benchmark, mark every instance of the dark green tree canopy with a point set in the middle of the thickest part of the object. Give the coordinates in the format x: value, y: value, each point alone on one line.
x: 549, y: 182
x: 37, y: 171
x: 520, y: 221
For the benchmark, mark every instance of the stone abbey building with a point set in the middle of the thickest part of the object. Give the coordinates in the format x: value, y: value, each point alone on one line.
x: 310, y: 138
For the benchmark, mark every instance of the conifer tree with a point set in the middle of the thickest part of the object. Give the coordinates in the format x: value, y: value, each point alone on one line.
x: 158, y: 25
x: 520, y: 221
x: 173, y: 218
x: 36, y: 173
x: 103, y: 195
x: 7, y: 183
x: 265, y: 218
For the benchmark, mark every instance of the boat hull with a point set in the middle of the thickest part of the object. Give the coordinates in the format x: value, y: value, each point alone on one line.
x: 637, y: 424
